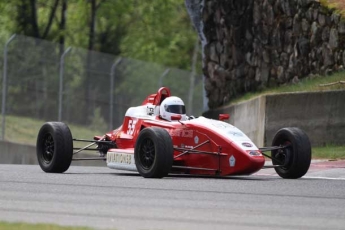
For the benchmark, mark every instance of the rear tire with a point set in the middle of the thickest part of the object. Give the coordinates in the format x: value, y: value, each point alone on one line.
x: 154, y: 153
x: 296, y: 158
x: 54, y: 147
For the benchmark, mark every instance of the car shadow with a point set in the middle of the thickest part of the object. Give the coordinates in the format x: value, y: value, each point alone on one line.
x: 188, y: 176
x: 174, y: 175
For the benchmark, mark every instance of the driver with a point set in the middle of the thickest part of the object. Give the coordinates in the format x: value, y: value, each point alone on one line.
x: 172, y: 106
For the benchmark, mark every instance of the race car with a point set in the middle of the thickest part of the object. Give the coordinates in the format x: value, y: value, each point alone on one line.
x: 157, y: 138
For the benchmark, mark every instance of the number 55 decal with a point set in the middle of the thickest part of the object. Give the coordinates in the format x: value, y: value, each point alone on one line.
x: 131, y: 127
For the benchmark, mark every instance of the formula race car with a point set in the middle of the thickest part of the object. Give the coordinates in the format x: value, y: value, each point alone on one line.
x: 158, y: 138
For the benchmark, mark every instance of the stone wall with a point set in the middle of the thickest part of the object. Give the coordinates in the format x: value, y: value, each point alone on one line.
x: 252, y: 44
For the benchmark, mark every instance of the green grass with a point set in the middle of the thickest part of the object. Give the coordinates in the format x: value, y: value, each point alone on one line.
x: 338, y: 5
x: 24, y: 226
x: 311, y: 84
x: 24, y: 130
x: 332, y: 152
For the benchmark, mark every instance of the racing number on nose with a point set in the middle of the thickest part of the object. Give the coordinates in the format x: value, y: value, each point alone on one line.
x: 131, y: 127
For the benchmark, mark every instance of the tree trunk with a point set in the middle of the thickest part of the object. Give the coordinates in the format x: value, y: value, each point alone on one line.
x: 34, y: 24
x: 50, y: 20
x: 92, y: 24
x: 62, y: 26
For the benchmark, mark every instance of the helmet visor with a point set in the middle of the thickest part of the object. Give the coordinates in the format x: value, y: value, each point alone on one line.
x: 178, y: 109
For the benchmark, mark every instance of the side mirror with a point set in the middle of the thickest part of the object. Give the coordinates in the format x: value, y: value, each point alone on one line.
x: 176, y: 117
x: 223, y: 117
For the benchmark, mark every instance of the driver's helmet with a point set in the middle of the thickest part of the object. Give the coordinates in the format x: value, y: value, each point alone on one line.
x: 172, y: 106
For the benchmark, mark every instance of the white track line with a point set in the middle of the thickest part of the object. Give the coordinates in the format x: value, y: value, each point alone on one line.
x: 306, y: 177
x: 324, y: 178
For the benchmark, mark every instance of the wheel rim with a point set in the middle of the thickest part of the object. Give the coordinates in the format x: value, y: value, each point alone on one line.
x: 48, y: 148
x: 284, y: 156
x: 147, y: 154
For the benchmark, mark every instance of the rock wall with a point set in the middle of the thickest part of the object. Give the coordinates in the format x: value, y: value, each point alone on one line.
x: 252, y: 44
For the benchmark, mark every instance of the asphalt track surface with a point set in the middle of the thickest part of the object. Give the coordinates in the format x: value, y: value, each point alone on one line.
x: 102, y: 198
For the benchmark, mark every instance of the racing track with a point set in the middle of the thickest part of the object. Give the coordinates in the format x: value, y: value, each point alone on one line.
x: 103, y: 198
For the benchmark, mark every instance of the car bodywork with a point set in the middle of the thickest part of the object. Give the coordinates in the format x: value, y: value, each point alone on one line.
x: 200, y: 145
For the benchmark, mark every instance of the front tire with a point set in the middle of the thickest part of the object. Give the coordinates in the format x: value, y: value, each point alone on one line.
x: 54, y: 147
x: 296, y: 157
x: 154, y: 153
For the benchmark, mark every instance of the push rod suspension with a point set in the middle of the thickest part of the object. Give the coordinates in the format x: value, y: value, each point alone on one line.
x: 187, y: 151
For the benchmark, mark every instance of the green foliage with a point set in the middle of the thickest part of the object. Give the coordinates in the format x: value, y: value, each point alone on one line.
x: 329, y: 152
x: 338, y: 5
x: 163, y: 35
x: 307, y: 84
x: 6, y: 23
x: 154, y: 31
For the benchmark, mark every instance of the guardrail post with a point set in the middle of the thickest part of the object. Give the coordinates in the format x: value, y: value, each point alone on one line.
x: 4, y: 88
x: 111, y: 101
x: 62, y: 62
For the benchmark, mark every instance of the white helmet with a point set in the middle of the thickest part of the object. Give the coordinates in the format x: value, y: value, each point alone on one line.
x: 172, y: 106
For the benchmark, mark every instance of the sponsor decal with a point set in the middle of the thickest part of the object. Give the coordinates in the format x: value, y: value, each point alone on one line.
x: 196, y: 139
x: 131, y: 127
x: 174, y: 133
x: 120, y: 158
x: 232, y: 161
x: 182, y: 133
x: 246, y: 144
x: 220, y: 125
x: 254, y: 153
x: 229, y: 129
x: 183, y: 146
x: 150, y: 110
x: 236, y: 134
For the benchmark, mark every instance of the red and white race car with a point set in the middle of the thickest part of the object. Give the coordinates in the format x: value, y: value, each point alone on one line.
x: 157, y: 138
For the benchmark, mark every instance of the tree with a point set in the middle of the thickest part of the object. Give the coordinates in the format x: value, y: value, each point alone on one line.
x: 62, y: 26
x: 27, y: 18
x: 151, y: 30
x: 168, y: 35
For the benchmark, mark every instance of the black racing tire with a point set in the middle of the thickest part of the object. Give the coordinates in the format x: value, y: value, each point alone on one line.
x: 54, y: 147
x: 296, y: 158
x: 154, y: 153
